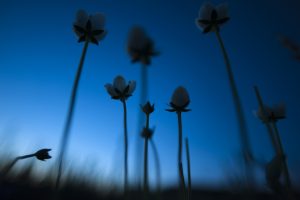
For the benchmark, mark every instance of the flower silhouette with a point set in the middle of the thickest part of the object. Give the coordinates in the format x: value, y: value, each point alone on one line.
x: 89, y: 27
x: 148, y: 108
x: 271, y: 114
x: 119, y: 90
x: 43, y: 154
x: 180, y: 100
x: 211, y: 18
x: 140, y: 46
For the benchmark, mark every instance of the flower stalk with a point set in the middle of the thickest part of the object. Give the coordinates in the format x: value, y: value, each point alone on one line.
x: 189, y: 169
x: 125, y: 148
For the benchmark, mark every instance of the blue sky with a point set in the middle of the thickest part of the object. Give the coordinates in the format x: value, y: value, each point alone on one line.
x: 40, y: 54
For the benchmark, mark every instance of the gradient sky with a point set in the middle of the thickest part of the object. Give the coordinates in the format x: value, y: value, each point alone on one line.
x: 40, y: 54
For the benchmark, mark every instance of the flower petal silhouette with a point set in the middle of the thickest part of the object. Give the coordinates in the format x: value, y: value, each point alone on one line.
x: 119, y: 89
x: 180, y: 100
x: 43, y: 154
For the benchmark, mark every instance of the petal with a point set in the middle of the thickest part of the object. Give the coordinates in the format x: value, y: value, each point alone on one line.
x: 137, y: 38
x: 205, y: 11
x: 98, y: 21
x: 279, y: 110
x: 100, y: 36
x: 200, y: 25
x: 132, y: 85
x: 110, y: 90
x: 222, y: 11
x: 81, y: 18
x: 119, y: 83
x: 180, y: 97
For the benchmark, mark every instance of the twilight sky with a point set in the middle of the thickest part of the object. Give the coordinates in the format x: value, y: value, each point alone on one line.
x: 40, y: 54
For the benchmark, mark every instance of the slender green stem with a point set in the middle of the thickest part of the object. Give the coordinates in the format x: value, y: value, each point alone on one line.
x: 125, y: 149
x: 180, y: 168
x: 246, y: 150
x: 189, y: 168
x: 281, y: 153
x: 69, y: 119
x: 146, y: 187
x: 269, y: 128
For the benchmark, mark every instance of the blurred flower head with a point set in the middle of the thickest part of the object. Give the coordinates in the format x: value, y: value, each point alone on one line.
x: 271, y: 114
x: 140, y: 46
x: 147, y: 108
x: 89, y: 27
x: 180, y: 100
x: 147, y: 132
x: 43, y: 154
x: 211, y: 17
x: 120, y: 90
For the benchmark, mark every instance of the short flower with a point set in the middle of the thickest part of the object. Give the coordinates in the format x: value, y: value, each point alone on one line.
x: 180, y: 100
x: 147, y: 108
x: 140, y: 46
x: 119, y: 90
x: 211, y: 18
x: 89, y: 27
x: 42, y: 154
x: 271, y: 114
x: 147, y: 133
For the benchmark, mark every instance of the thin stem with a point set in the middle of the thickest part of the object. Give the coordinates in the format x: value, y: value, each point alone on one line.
x: 246, y: 150
x: 10, y: 166
x: 269, y: 128
x: 281, y: 153
x: 180, y: 168
x: 69, y: 119
x: 125, y: 149
x: 189, y: 167
x: 146, y: 159
x: 157, y: 163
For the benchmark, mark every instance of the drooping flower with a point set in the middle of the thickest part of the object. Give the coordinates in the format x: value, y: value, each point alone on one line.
x: 43, y: 154
x: 140, y: 46
x: 120, y: 90
x: 180, y: 100
x: 89, y: 27
x: 271, y: 114
x: 148, y: 108
x: 147, y: 132
x: 211, y: 17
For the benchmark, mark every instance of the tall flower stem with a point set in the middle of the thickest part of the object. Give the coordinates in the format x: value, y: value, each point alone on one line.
x: 146, y: 187
x: 281, y: 153
x: 246, y: 150
x: 125, y: 149
x: 10, y: 166
x: 189, y: 168
x: 157, y: 163
x: 180, y: 168
x: 69, y: 119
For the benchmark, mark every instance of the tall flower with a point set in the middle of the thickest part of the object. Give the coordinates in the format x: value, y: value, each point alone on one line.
x: 210, y: 19
x: 120, y: 90
x: 179, y: 103
x: 88, y: 29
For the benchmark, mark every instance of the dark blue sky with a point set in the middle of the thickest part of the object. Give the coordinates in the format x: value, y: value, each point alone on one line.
x: 40, y: 54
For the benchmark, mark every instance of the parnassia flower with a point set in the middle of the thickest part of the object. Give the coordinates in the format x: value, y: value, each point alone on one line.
x: 271, y: 114
x: 211, y: 18
x: 140, y: 46
x: 180, y: 100
x: 147, y: 132
x: 120, y: 90
x: 89, y: 27
x: 147, y: 108
x: 43, y: 154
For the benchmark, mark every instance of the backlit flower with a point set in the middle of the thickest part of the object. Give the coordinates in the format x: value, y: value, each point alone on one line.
x: 147, y: 108
x: 271, y: 114
x: 180, y: 100
x: 89, y: 27
x: 120, y: 89
x: 211, y: 17
x: 42, y: 154
x: 140, y: 46
x: 147, y: 133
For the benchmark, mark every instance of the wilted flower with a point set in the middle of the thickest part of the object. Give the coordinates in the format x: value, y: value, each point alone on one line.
x: 119, y: 89
x: 211, y: 18
x: 140, y: 46
x: 42, y: 154
x: 180, y: 100
x: 147, y: 132
x: 89, y: 27
x: 148, y: 108
x: 271, y: 114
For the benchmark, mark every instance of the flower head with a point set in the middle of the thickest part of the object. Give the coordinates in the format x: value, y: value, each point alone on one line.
x: 211, y: 18
x: 147, y: 132
x: 180, y: 100
x: 120, y: 90
x: 271, y: 114
x: 89, y: 27
x: 42, y: 154
x: 140, y: 46
x: 147, y: 108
